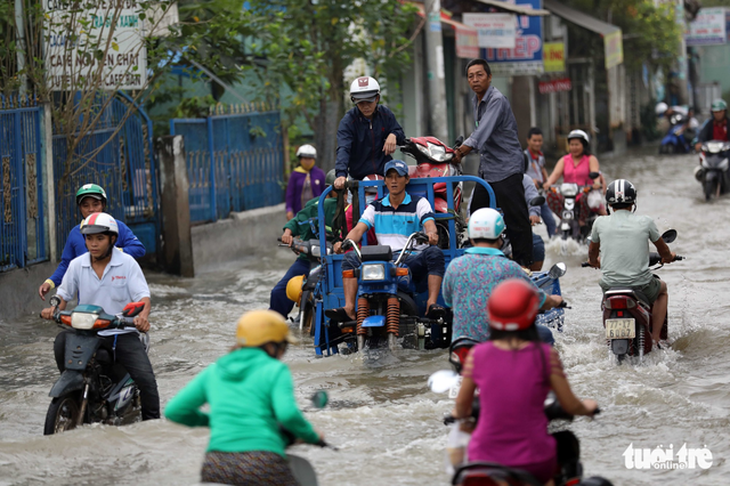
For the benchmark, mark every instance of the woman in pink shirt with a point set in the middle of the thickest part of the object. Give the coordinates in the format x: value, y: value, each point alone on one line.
x: 575, y: 167
x: 514, y: 372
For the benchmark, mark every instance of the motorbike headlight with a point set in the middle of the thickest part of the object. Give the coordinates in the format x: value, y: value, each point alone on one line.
x: 724, y: 164
x: 83, y: 320
x: 567, y: 214
x: 714, y: 147
x: 424, y: 150
x: 315, y: 251
x: 437, y: 152
x: 569, y: 189
x: 373, y: 271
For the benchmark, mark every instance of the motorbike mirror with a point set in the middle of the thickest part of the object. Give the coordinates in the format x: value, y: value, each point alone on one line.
x: 54, y: 301
x: 320, y: 399
x: 537, y: 201
x: 594, y: 175
x: 557, y: 270
x: 459, y: 141
x: 442, y: 380
x: 669, y: 236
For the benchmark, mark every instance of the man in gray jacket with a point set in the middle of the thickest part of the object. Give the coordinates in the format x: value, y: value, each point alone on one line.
x: 501, y: 160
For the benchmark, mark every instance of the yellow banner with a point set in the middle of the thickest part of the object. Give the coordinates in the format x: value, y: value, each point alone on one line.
x: 614, y: 49
x: 553, y: 55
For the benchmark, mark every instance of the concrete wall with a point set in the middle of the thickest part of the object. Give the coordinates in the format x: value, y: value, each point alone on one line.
x: 218, y: 243
x: 19, y: 290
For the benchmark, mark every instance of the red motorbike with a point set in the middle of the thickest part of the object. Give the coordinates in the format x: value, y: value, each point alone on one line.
x: 627, y: 315
x: 435, y: 159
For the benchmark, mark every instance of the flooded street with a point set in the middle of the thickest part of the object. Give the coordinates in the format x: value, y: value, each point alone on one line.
x: 382, y: 417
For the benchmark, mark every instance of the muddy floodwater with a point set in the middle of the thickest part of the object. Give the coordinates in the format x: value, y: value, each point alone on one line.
x: 382, y: 417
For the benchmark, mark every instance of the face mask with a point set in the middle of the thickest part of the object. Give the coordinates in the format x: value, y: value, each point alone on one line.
x: 306, y: 163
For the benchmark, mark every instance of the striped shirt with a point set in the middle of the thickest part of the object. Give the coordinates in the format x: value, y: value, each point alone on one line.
x: 394, y: 226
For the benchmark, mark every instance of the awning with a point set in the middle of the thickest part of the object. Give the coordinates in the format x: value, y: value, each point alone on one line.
x: 579, y: 18
x: 612, y: 39
x: 515, y: 9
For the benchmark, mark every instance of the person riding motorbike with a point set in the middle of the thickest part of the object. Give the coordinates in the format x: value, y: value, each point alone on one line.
x: 395, y: 217
x: 472, y: 278
x: 90, y: 198
x: 619, y: 248
x: 535, y: 165
x: 110, y: 279
x: 514, y: 373
x: 717, y: 128
x: 304, y: 225
x: 367, y: 135
x: 250, y: 393
x: 575, y: 168
x: 305, y: 182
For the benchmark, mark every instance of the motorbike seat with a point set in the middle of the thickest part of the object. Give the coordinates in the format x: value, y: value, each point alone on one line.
x: 372, y: 253
x: 631, y: 292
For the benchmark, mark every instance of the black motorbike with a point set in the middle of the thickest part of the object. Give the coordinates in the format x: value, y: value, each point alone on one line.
x: 714, y: 169
x: 92, y: 388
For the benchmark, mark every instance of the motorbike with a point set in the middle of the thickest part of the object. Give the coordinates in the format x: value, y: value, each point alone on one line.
x: 92, y: 388
x: 627, y: 315
x: 307, y: 302
x: 301, y: 469
x: 569, y: 226
x: 387, y: 305
x: 490, y: 473
x: 714, y: 169
x: 434, y: 159
x: 676, y: 141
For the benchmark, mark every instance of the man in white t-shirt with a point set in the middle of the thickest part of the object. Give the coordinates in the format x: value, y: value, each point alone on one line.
x: 111, y: 279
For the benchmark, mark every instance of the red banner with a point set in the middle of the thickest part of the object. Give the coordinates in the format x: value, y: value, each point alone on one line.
x: 555, y: 86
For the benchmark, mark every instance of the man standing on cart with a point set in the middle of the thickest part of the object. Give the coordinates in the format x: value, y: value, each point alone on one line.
x: 395, y: 217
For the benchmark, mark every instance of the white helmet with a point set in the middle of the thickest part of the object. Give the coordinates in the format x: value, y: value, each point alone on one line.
x: 364, y: 88
x: 307, y: 151
x: 486, y: 224
x: 661, y: 108
x: 99, y: 223
x: 579, y: 134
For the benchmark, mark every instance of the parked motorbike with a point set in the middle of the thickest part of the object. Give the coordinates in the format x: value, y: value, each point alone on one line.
x: 714, y: 169
x: 570, y: 226
x: 434, y: 159
x: 387, y: 305
x: 92, y: 388
x: 490, y: 473
x: 627, y: 314
x: 676, y: 141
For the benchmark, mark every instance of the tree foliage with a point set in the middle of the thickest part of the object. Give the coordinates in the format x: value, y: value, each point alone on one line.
x: 650, y: 31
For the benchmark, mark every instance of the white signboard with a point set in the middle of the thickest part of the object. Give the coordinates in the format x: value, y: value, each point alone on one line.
x: 493, y: 30
x: 108, y: 45
x: 708, y: 28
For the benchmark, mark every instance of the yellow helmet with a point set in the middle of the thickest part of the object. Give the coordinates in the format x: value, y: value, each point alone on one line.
x: 294, y: 288
x: 262, y: 326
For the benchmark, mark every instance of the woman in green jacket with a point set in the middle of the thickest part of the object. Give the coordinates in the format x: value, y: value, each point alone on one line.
x: 251, y: 397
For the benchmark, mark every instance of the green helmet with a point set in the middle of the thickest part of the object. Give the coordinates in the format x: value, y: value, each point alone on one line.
x: 329, y: 179
x: 90, y: 190
x: 719, y: 105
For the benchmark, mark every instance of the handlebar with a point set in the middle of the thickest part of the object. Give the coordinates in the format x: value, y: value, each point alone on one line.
x: 348, y: 243
x: 419, y: 236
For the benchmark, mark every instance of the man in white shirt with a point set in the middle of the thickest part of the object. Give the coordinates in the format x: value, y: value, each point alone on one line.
x: 111, y: 279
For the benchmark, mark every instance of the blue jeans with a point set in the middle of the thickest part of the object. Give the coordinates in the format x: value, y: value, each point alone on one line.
x: 427, y: 262
x: 279, y: 302
x: 547, y: 217
x: 538, y: 248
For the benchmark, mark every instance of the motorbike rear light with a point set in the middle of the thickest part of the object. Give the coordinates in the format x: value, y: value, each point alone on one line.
x: 623, y: 303
x: 459, y: 355
x: 66, y: 320
x: 101, y: 324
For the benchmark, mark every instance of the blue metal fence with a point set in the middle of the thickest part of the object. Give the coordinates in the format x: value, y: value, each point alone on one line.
x: 235, y: 161
x: 118, y: 156
x: 22, y: 230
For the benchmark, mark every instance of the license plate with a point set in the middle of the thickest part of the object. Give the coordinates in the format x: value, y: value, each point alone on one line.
x: 620, y: 328
x: 454, y: 390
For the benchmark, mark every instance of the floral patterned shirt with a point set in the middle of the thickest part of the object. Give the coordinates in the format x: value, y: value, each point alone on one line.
x: 468, y: 283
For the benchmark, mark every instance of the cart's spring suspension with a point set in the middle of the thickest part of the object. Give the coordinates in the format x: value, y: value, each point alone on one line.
x: 392, y: 321
x: 363, y: 311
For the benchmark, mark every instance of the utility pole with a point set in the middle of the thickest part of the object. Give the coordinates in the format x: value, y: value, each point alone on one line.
x: 683, y: 92
x: 435, y: 63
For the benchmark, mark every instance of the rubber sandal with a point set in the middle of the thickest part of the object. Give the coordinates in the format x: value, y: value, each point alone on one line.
x: 337, y: 315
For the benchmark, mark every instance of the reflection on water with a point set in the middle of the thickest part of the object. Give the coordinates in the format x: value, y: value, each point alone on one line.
x: 381, y: 414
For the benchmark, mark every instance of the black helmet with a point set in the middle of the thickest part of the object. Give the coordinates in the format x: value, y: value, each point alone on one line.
x: 621, y: 191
